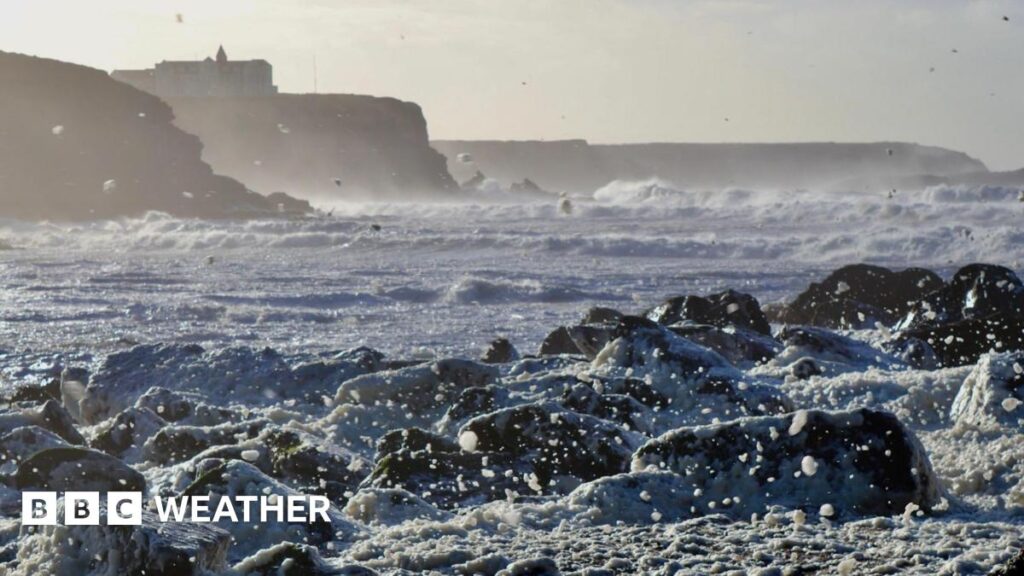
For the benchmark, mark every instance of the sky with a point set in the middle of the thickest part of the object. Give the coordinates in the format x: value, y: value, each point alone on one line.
x: 940, y: 72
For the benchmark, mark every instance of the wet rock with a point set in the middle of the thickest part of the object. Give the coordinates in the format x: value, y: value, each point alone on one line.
x: 859, y: 462
x: 619, y: 408
x: 993, y: 393
x: 531, y: 567
x: 1013, y: 567
x: 961, y: 342
x: 35, y: 393
x: 312, y: 466
x: 976, y: 291
x: 50, y: 416
x: 723, y: 309
x: 860, y: 295
x: 558, y: 342
x: 419, y: 388
x: 227, y: 376
x: 805, y: 368
x: 129, y: 430
x: 414, y: 440
x: 601, y: 315
x: 291, y: 559
x: 155, y: 548
x: 500, y: 351
x: 176, y: 443
x: 825, y: 346
x: 235, y: 478
x: 72, y: 468
x: 179, y: 408
x: 559, y: 443
x: 474, y: 402
x: 739, y: 346
x: 20, y: 443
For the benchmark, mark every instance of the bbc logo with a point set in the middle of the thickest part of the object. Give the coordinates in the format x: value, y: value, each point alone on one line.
x: 81, y: 508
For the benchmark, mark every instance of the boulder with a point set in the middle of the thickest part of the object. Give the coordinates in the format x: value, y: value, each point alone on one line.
x: 601, y: 315
x: 235, y: 478
x: 155, y: 548
x: 723, y: 309
x: 618, y: 408
x: 558, y: 342
x: 560, y: 444
x: 500, y: 351
x: 291, y: 559
x: 859, y: 296
x: 20, y: 443
x: 50, y: 416
x: 992, y: 395
x: 127, y: 431
x: 858, y: 462
x: 176, y: 443
x: 72, y: 468
x: 420, y: 388
x: 740, y: 346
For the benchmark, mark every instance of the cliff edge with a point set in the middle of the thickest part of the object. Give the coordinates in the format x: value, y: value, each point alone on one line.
x: 76, y: 144
x: 322, y: 146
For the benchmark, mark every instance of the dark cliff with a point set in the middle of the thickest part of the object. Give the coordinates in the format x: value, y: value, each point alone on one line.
x: 320, y: 145
x: 579, y: 167
x: 75, y: 144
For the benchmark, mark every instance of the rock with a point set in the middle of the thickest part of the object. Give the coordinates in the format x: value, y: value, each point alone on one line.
x: 179, y: 408
x: 500, y: 351
x: 619, y: 408
x: 127, y: 431
x: 50, y: 416
x: 235, y: 478
x: 827, y: 347
x: 531, y: 567
x: 175, y: 443
x: 155, y: 548
x: 558, y: 342
x: 700, y: 384
x: 313, y: 466
x: 560, y: 444
x: 859, y: 295
x: 72, y: 468
x: 291, y: 559
x: 992, y: 395
x: 960, y: 343
x: 805, y: 368
x: 600, y: 315
x: 860, y: 462
x: 723, y: 309
x: 976, y: 292
x: 1013, y: 567
x: 20, y: 443
x: 474, y: 401
x: 419, y: 388
x: 231, y: 375
x: 740, y: 346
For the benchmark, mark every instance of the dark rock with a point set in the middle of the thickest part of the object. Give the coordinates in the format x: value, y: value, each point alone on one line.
x: 959, y: 343
x: 35, y: 393
x: 558, y: 342
x: 312, y: 467
x: 474, y: 402
x: 859, y: 295
x: 805, y: 368
x: 861, y: 462
x: 559, y: 443
x: 739, y: 346
x: 176, y: 443
x: 153, y: 549
x: 976, y: 292
x: 171, y: 406
x: 50, y: 416
x: 72, y: 468
x: 723, y: 309
x: 619, y: 408
x: 20, y: 443
x: 823, y: 344
x: 413, y: 440
x: 1013, y: 567
x: 500, y: 351
x: 531, y: 567
x: 129, y: 429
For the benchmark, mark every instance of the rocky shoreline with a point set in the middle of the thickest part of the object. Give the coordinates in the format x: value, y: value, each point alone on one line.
x: 876, y: 405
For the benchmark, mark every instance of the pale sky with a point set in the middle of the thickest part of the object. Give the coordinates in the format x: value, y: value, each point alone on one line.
x: 604, y: 70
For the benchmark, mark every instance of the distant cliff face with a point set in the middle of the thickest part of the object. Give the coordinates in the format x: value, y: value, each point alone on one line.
x: 75, y: 144
x: 319, y: 145
x: 578, y: 167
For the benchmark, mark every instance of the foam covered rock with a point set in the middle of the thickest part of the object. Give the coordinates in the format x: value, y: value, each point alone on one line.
x: 723, y: 309
x: 859, y: 462
x: 993, y: 393
x: 73, y: 468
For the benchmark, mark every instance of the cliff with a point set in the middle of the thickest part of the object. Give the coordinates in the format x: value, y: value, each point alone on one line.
x: 75, y: 144
x: 319, y: 145
x: 579, y: 167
